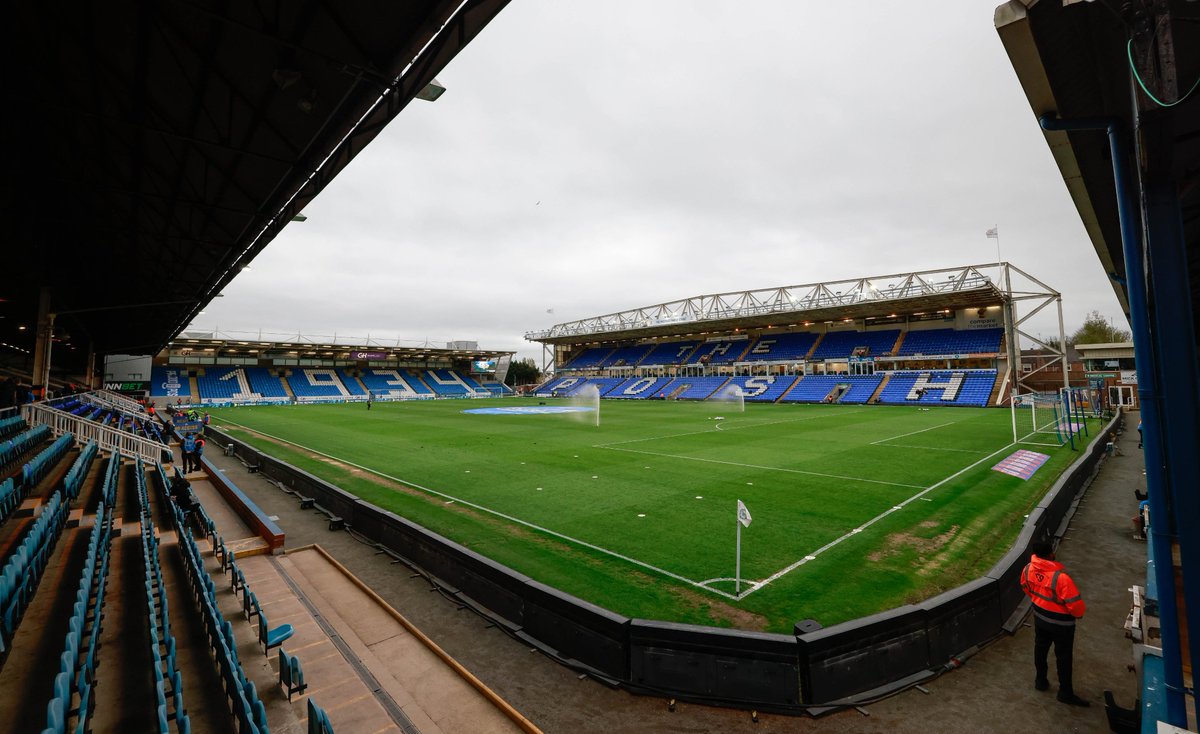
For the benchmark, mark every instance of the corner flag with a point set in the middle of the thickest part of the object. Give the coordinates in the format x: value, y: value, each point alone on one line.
x: 743, y: 514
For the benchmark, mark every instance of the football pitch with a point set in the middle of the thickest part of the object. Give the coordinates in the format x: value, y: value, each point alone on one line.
x: 855, y: 509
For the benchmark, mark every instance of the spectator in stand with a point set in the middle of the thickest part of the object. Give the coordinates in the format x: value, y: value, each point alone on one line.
x: 181, y: 495
x: 188, y: 447
x: 199, y: 453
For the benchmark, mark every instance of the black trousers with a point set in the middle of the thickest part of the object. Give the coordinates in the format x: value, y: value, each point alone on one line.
x: 189, y: 462
x: 1062, y: 637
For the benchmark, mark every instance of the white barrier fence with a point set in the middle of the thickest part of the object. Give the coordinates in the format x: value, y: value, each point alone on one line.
x: 107, y: 438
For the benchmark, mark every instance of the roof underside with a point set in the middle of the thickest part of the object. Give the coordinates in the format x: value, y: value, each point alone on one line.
x: 155, y: 148
x: 1072, y: 61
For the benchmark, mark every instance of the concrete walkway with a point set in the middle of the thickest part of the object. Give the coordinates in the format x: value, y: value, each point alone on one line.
x: 993, y: 692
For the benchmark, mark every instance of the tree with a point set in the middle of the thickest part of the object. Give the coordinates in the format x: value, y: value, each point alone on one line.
x: 521, y: 372
x: 1097, y: 329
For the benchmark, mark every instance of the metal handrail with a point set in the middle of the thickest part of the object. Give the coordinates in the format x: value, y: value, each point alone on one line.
x: 107, y: 438
x: 118, y: 400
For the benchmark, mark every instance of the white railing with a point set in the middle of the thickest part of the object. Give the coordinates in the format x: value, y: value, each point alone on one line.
x: 107, y: 438
x: 119, y: 401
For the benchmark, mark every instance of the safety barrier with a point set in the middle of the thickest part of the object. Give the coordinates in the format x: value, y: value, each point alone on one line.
x: 811, y: 670
x: 259, y: 521
x: 107, y: 438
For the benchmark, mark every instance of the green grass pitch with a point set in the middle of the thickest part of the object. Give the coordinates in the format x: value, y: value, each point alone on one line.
x: 855, y: 509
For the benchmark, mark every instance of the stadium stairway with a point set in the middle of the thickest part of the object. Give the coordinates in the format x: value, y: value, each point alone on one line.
x: 194, y: 389
x: 287, y: 388
x: 343, y: 631
x: 879, y: 390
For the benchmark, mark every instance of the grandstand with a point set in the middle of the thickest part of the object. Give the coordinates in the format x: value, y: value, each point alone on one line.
x: 934, y: 337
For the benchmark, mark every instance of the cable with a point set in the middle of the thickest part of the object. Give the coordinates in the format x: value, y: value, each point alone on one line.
x: 1142, y: 84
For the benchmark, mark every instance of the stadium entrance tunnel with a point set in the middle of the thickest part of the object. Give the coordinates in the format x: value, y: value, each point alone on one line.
x: 812, y: 672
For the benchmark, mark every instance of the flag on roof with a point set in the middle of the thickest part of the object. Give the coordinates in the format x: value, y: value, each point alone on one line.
x: 994, y: 233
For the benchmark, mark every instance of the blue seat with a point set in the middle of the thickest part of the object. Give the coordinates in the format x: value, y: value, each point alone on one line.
x: 291, y: 675
x: 318, y: 720
x: 272, y: 637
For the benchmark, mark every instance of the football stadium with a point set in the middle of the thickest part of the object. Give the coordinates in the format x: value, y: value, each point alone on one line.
x: 804, y: 506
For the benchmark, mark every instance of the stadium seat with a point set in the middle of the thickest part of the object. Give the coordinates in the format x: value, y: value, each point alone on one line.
x: 669, y: 353
x: 589, y: 358
x: 272, y: 637
x: 291, y: 676
x: 841, y: 344
x: 780, y: 347
x: 311, y: 382
x: 318, y: 720
x: 628, y: 356
x: 934, y: 342
x: 819, y: 388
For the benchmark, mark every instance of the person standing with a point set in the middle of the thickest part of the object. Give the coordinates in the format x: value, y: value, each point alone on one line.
x: 189, y: 452
x: 1057, y: 603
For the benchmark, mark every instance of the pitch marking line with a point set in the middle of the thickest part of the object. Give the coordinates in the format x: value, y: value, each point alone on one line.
x: 915, y: 432
x: 490, y: 511
x: 919, y: 495
x: 933, y: 448
x: 767, y: 468
x: 727, y: 428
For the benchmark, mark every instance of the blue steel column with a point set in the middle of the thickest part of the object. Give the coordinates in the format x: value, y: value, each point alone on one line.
x: 1148, y: 396
x: 1174, y: 332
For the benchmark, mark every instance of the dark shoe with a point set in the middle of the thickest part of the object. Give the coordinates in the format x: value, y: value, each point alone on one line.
x: 1073, y: 700
x: 1041, y: 685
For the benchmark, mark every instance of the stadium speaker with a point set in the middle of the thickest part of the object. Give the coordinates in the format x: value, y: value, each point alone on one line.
x: 804, y: 626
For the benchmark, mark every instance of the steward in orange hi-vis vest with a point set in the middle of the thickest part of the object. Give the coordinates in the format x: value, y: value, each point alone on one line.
x: 1056, y: 605
x: 1055, y: 596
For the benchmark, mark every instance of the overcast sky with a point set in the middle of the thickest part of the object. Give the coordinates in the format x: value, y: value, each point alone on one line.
x: 594, y: 157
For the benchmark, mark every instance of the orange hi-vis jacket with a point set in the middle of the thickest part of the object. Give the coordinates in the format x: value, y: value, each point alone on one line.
x: 1055, y: 597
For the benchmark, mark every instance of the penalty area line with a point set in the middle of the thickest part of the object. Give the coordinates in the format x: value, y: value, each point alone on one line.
x: 759, y: 466
x: 855, y: 531
x: 510, y: 518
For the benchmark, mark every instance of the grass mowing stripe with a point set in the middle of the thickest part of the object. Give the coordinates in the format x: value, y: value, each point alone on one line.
x: 727, y: 428
x: 490, y: 511
x: 758, y: 466
x: 812, y: 556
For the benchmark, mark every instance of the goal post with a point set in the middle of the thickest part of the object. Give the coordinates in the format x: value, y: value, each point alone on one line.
x: 1041, y: 419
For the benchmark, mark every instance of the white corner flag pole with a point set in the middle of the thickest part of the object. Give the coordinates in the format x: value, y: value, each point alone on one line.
x: 743, y: 518
x: 737, y: 572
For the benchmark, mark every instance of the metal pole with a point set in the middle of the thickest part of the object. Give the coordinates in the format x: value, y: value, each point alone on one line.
x: 737, y: 571
x: 1012, y: 404
x: 1062, y: 343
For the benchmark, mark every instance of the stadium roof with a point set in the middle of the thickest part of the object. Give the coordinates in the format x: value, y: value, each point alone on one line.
x: 210, y: 345
x: 1074, y: 61
x: 881, y: 295
x: 154, y: 149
